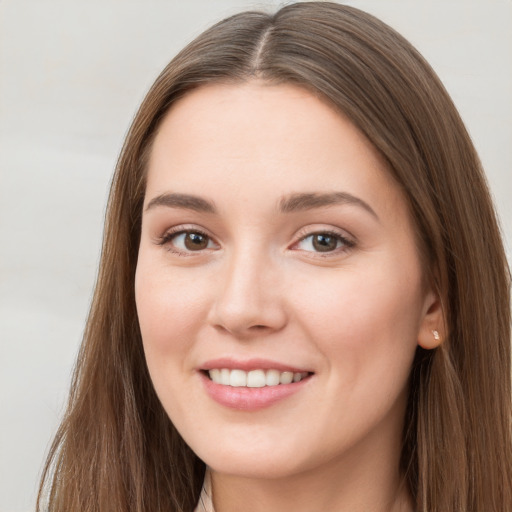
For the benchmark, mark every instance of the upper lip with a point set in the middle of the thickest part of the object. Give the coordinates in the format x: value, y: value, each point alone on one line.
x: 250, y: 364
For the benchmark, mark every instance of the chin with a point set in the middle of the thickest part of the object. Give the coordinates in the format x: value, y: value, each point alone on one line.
x: 262, y: 467
x: 262, y: 460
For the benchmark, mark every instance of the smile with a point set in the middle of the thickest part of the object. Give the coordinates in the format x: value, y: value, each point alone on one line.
x: 254, y: 378
x: 252, y: 385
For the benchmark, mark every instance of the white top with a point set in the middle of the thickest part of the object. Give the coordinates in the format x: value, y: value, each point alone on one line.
x: 205, y: 503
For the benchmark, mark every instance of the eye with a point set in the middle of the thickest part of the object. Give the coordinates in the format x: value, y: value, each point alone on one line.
x: 186, y: 241
x: 323, y: 242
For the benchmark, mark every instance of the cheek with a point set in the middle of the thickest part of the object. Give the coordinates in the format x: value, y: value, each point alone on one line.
x: 169, y: 309
x: 364, y: 322
x: 169, y: 306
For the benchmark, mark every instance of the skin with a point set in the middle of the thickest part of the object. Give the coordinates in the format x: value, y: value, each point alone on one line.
x: 353, y: 315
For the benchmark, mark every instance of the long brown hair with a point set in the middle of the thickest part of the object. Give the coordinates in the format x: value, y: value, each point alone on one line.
x: 117, y: 450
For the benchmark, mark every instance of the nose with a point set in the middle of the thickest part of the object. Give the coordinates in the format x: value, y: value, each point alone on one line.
x: 248, y: 301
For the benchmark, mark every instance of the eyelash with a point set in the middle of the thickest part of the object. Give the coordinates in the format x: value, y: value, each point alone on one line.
x: 169, y: 235
x: 346, y: 243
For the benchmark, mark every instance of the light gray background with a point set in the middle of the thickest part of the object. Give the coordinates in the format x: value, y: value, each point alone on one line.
x: 72, y: 74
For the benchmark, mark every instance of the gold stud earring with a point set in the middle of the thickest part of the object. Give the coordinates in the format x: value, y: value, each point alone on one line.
x: 436, y: 335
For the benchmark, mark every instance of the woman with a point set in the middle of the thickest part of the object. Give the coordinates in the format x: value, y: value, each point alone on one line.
x: 302, y: 288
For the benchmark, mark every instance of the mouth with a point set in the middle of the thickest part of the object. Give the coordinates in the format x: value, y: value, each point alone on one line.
x: 252, y: 385
x: 257, y: 378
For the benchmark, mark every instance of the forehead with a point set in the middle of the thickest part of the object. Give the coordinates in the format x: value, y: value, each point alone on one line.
x: 249, y: 109
x: 256, y: 137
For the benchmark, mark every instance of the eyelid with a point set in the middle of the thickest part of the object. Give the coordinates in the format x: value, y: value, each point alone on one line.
x: 348, y: 240
x: 170, y: 233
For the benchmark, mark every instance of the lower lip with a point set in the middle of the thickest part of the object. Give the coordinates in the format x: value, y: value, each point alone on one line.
x: 250, y: 399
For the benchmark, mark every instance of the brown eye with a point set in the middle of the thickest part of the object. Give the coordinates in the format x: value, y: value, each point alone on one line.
x: 195, y: 241
x: 187, y: 241
x: 323, y: 242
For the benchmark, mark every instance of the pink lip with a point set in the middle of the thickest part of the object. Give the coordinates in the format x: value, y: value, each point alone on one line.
x: 249, y: 399
x: 251, y: 364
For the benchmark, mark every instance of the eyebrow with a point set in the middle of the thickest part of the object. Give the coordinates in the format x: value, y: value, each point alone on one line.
x: 291, y: 203
x: 185, y: 201
x: 309, y: 201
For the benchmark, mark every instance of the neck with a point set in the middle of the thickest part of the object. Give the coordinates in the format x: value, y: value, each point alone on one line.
x: 302, y: 493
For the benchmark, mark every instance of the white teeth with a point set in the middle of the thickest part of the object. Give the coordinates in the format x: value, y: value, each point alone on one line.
x: 224, y: 377
x: 238, y: 378
x: 215, y: 375
x: 272, y: 377
x: 254, y: 378
x: 286, y: 377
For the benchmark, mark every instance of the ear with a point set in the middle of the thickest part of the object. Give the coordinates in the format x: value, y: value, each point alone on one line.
x: 432, y: 329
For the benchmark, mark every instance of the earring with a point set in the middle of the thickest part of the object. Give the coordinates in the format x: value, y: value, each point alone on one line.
x: 436, y: 335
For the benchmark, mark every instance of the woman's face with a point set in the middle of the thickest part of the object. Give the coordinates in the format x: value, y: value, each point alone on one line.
x: 275, y: 246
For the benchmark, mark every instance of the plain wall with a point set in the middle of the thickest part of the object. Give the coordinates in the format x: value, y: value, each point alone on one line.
x: 72, y: 74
